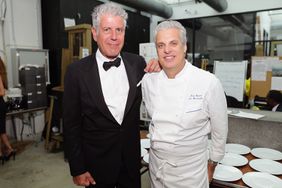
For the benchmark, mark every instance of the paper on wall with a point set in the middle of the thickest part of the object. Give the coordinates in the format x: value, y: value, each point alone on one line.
x: 69, y: 22
x: 259, y: 69
x: 148, y: 51
x: 276, y: 83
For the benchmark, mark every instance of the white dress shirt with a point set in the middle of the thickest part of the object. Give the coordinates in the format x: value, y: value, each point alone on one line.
x: 115, y: 86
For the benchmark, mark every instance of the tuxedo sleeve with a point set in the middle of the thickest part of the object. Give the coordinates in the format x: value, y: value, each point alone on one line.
x: 72, y: 121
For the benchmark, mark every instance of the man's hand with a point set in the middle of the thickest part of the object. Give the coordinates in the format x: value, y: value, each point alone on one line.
x: 211, y: 168
x: 153, y: 66
x: 84, y: 179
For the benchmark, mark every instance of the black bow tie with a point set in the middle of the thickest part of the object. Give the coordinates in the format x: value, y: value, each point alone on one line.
x: 108, y: 65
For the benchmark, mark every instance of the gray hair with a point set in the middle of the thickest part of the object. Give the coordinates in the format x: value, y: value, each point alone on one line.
x: 107, y: 8
x: 169, y: 24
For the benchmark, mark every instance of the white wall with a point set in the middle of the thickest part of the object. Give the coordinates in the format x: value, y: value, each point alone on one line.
x: 195, y: 10
x: 22, y: 28
x: 265, y: 24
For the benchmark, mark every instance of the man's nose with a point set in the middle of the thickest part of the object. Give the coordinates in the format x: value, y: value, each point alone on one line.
x: 167, y: 49
x: 113, y: 35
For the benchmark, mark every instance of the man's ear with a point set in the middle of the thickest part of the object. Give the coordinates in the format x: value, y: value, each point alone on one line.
x: 94, y: 33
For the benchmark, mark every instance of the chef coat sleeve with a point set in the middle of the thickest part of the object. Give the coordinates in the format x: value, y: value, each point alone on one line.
x: 217, y: 109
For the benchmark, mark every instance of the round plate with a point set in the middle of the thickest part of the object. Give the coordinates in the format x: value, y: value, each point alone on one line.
x: 145, y: 143
x: 237, y: 148
x: 261, y: 180
x: 266, y: 153
x: 146, y: 158
x: 266, y: 165
x: 227, y: 173
x: 232, y: 159
x: 143, y: 152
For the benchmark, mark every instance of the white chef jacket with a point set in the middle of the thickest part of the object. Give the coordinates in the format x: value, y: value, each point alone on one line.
x: 184, y: 110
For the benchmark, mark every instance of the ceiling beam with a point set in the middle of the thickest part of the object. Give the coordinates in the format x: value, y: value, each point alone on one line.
x: 151, y: 6
x: 218, y: 5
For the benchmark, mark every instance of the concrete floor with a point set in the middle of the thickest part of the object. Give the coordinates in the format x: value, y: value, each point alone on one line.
x: 36, y: 168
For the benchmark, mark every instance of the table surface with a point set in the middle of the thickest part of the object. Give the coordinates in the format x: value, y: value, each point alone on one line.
x: 246, y: 168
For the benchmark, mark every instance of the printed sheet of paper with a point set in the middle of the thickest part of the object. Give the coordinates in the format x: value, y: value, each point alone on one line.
x: 247, y: 115
x: 148, y: 51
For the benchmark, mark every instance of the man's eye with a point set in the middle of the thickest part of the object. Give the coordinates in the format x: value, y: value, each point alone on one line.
x: 106, y: 30
x: 174, y: 43
x: 119, y: 30
x: 160, y: 46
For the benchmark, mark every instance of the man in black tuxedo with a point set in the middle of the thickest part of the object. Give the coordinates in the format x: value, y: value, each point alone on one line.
x: 101, y: 103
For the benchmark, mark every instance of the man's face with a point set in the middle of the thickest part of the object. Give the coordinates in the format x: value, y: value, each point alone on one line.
x: 110, y: 35
x: 171, y: 51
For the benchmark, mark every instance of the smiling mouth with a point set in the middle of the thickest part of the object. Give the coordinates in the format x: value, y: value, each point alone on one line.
x: 114, y: 44
x: 169, y: 58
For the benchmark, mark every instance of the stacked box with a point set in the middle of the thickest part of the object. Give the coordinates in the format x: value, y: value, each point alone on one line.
x: 33, y: 83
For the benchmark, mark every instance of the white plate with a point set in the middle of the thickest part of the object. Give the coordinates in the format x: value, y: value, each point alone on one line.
x: 266, y: 165
x: 261, y: 180
x: 227, y: 173
x: 233, y: 159
x: 143, y: 152
x: 267, y: 153
x: 146, y: 158
x: 237, y: 148
x: 145, y: 143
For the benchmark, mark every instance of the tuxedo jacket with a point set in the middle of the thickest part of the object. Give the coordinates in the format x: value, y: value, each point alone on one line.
x: 279, y: 108
x: 93, y: 140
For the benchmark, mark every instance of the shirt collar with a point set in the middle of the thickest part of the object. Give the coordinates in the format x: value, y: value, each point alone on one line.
x: 181, y: 73
x: 101, y: 58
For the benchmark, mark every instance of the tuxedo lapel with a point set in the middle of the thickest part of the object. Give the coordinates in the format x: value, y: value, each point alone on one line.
x: 132, y: 80
x: 93, y: 83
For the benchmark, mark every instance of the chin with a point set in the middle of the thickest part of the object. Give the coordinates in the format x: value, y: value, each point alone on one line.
x: 114, y: 52
x: 169, y: 64
x: 112, y: 56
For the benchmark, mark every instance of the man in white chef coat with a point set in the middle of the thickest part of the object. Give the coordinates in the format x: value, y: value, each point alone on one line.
x: 186, y: 104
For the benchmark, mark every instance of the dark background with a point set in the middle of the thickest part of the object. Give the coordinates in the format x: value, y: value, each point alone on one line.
x: 55, y: 38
